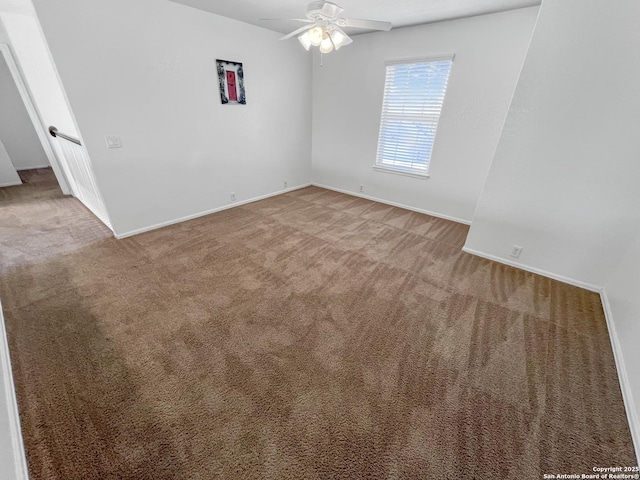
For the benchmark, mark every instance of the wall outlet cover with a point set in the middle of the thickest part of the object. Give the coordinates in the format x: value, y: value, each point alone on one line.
x: 113, y: 141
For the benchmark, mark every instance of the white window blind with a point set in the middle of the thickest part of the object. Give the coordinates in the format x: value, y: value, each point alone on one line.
x: 413, y: 97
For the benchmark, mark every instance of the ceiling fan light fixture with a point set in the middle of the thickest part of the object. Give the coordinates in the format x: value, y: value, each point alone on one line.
x: 315, y: 36
x: 339, y: 39
x: 323, y: 27
x: 305, y: 40
x: 327, y: 45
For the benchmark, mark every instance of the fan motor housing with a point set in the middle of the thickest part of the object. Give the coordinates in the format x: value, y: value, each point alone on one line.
x: 315, y: 10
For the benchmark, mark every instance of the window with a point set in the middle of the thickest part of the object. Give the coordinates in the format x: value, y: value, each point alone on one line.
x: 413, y: 96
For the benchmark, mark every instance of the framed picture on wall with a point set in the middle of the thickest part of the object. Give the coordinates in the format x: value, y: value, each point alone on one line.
x: 231, y: 80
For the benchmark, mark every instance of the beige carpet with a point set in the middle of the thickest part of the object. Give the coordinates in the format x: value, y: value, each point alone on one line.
x: 313, y: 335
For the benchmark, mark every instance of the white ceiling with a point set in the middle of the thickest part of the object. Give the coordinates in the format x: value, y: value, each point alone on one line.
x: 401, y: 13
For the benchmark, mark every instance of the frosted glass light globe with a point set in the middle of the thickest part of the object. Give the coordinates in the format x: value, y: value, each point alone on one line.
x: 315, y: 36
x: 326, y: 45
x: 305, y: 40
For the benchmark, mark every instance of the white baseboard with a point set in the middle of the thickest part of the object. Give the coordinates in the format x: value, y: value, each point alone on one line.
x: 544, y: 273
x: 393, y: 204
x: 19, y: 469
x: 630, y: 406
x: 10, y: 184
x: 120, y: 236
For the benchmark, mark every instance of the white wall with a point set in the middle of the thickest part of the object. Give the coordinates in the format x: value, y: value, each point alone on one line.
x: 146, y: 71
x: 23, y: 7
x: 564, y: 180
x: 622, y: 290
x: 4, y: 38
x: 16, y: 129
x: 347, y: 102
x: 8, y: 174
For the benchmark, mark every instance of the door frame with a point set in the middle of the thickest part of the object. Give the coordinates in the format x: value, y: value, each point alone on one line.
x: 36, y: 119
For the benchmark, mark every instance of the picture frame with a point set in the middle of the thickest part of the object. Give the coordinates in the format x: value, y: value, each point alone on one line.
x: 231, y: 82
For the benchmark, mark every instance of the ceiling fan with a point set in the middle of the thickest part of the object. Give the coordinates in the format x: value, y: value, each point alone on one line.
x: 324, y: 27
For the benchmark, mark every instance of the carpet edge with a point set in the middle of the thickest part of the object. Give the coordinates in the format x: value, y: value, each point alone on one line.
x: 393, y: 204
x: 576, y: 283
x: 137, y: 231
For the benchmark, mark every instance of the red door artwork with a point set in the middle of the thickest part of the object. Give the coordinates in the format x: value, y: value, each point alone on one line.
x: 231, y: 86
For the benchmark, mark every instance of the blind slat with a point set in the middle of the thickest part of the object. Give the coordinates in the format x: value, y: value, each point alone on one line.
x: 413, y: 98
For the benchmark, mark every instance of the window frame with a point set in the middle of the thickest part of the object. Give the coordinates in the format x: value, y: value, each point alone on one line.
x: 410, y: 171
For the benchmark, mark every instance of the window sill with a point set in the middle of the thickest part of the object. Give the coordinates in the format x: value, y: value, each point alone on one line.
x: 398, y: 171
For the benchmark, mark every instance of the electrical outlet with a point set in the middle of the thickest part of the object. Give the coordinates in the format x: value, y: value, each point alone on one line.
x: 516, y: 251
x: 285, y: 184
x: 233, y: 196
x: 361, y: 188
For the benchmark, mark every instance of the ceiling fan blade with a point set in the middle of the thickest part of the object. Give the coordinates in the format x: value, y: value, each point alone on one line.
x: 305, y: 20
x: 368, y: 24
x: 296, y: 32
x: 331, y: 9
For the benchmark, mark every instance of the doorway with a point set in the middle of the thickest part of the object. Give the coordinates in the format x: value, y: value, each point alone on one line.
x: 27, y: 145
